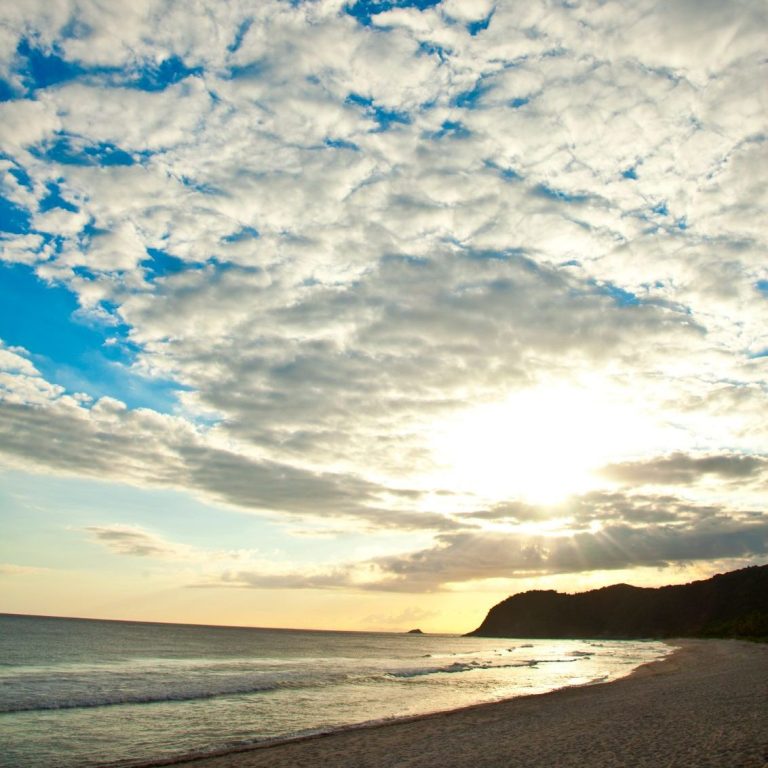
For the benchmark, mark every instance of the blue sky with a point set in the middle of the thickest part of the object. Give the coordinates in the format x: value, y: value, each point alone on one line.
x: 382, y: 308
x: 82, y: 354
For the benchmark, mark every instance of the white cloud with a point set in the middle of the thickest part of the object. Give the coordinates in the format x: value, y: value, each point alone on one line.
x: 25, y: 122
x: 134, y: 120
x: 467, y: 10
x: 14, y: 361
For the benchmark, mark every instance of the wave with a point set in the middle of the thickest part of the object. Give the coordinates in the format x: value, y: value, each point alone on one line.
x: 88, y: 699
x: 117, y: 690
x: 117, y: 699
x: 93, y: 688
x: 473, y: 666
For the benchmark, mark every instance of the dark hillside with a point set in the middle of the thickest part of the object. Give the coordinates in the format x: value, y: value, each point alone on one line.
x: 731, y: 604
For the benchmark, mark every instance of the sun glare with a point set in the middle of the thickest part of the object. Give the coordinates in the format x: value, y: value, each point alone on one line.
x: 541, y: 445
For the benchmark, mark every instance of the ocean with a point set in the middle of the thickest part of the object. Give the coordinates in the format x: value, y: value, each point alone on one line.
x: 76, y: 693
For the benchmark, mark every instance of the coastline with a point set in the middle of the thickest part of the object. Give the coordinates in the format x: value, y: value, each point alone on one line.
x: 705, y: 704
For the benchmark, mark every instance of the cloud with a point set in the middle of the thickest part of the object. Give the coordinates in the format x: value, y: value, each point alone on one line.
x: 331, y: 578
x: 329, y: 231
x: 601, y: 506
x: 466, y: 557
x: 603, y: 532
x: 109, y: 441
x: 470, y: 556
x: 681, y: 469
x: 134, y: 541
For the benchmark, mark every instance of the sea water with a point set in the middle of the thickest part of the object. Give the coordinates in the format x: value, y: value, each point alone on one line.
x: 79, y: 693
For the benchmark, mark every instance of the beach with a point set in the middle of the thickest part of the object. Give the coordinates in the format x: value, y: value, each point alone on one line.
x: 703, y: 706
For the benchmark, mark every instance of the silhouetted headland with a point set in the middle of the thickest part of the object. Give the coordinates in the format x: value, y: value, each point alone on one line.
x: 731, y: 604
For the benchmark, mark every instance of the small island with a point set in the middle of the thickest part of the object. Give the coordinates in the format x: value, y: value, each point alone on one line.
x: 414, y: 632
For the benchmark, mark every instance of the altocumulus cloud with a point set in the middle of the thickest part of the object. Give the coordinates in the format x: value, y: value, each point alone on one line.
x: 297, y: 235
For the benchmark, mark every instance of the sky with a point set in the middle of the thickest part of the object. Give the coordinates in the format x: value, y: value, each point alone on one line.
x: 365, y: 315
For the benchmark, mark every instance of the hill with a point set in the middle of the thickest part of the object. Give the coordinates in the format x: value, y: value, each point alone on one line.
x: 731, y: 604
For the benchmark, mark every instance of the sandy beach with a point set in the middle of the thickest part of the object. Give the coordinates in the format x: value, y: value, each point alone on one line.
x: 704, y: 706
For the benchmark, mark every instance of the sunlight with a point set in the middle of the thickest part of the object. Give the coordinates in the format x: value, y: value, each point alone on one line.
x: 554, y: 526
x: 544, y: 444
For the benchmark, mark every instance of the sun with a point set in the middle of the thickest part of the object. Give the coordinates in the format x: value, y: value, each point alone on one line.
x: 542, y: 444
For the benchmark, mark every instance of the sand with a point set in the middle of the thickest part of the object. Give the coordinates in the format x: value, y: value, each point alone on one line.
x: 706, y: 705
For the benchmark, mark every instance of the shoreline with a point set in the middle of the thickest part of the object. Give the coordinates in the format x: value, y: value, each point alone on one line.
x: 704, y: 704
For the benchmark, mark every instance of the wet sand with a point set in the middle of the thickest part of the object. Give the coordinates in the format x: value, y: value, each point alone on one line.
x: 704, y: 706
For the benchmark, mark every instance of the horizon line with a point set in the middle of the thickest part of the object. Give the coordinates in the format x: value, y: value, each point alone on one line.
x: 216, y: 626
